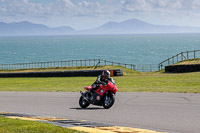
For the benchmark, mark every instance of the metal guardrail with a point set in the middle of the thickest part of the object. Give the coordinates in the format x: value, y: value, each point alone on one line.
x: 99, y: 62
x: 180, y: 57
x: 78, y: 63
x: 52, y: 64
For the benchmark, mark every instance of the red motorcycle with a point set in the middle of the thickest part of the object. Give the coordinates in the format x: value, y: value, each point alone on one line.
x: 103, y: 96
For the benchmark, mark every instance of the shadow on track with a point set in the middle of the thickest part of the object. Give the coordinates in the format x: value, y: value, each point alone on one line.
x: 91, y: 108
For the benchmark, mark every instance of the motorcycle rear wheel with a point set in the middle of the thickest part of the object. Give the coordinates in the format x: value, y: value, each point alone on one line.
x: 108, y: 101
x: 83, y: 103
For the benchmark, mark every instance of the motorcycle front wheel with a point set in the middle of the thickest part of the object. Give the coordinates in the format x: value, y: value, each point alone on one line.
x: 83, y: 103
x: 108, y: 101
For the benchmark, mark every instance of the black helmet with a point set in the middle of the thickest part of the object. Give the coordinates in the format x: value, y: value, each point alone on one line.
x: 106, y: 74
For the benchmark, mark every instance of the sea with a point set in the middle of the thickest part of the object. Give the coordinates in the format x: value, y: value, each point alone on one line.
x: 132, y: 49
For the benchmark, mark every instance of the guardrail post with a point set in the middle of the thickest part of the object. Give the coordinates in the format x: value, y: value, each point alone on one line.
x: 194, y: 54
x: 181, y: 56
x: 65, y: 63
x: 177, y: 58
x: 99, y: 62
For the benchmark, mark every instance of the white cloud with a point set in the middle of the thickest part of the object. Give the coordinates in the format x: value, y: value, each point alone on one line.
x: 68, y: 3
x: 3, y: 9
x: 196, y: 4
x: 84, y: 3
x: 136, y: 5
x: 67, y: 12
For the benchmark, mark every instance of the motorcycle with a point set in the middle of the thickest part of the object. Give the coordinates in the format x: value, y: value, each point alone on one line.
x: 104, y: 95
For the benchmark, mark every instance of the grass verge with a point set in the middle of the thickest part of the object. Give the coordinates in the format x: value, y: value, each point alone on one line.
x: 189, y: 62
x: 21, y: 126
x: 132, y: 81
x: 61, y: 69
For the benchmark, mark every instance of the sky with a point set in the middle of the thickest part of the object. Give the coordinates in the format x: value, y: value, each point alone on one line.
x: 86, y: 14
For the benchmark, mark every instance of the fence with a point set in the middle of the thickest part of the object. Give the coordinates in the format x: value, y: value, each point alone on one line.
x: 137, y: 67
x: 99, y: 62
x: 77, y: 63
x: 180, y: 57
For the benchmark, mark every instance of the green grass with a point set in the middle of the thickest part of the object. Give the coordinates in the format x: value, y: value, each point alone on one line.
x: 160, y: 82
x: 21, y: 126
x: 189, y: 62
x: 62, y: 69
x: 132, y: 81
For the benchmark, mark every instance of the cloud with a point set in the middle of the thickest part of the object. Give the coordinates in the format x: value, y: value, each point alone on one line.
x: 69, y: 11
x: 16, y: 7
x: 169, y: 11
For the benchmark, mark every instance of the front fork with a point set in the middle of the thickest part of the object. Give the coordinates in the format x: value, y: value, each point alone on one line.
x: 83, y: 96
x: 87, y: 98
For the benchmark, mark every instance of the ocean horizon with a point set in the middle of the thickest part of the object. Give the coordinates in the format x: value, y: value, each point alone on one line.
x: 132, y: 49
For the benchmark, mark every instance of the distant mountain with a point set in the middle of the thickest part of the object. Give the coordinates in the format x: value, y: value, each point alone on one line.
x: 27, y: 28
x: 135, y: 26
x: 131, y: 26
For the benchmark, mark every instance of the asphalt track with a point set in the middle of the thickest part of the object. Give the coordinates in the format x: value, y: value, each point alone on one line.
x: 167, y: 112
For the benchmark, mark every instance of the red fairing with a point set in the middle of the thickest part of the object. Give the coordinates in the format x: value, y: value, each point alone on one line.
x: 103, y: 96
x: 104, y: 88
x: 88, y: 87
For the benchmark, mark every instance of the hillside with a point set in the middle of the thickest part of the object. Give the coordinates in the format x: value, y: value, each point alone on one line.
x: 135, y: 26
x: 27, y: 28
x: 131, y: 26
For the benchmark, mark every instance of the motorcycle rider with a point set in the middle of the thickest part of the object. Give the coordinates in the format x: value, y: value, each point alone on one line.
x: 102, y: 79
